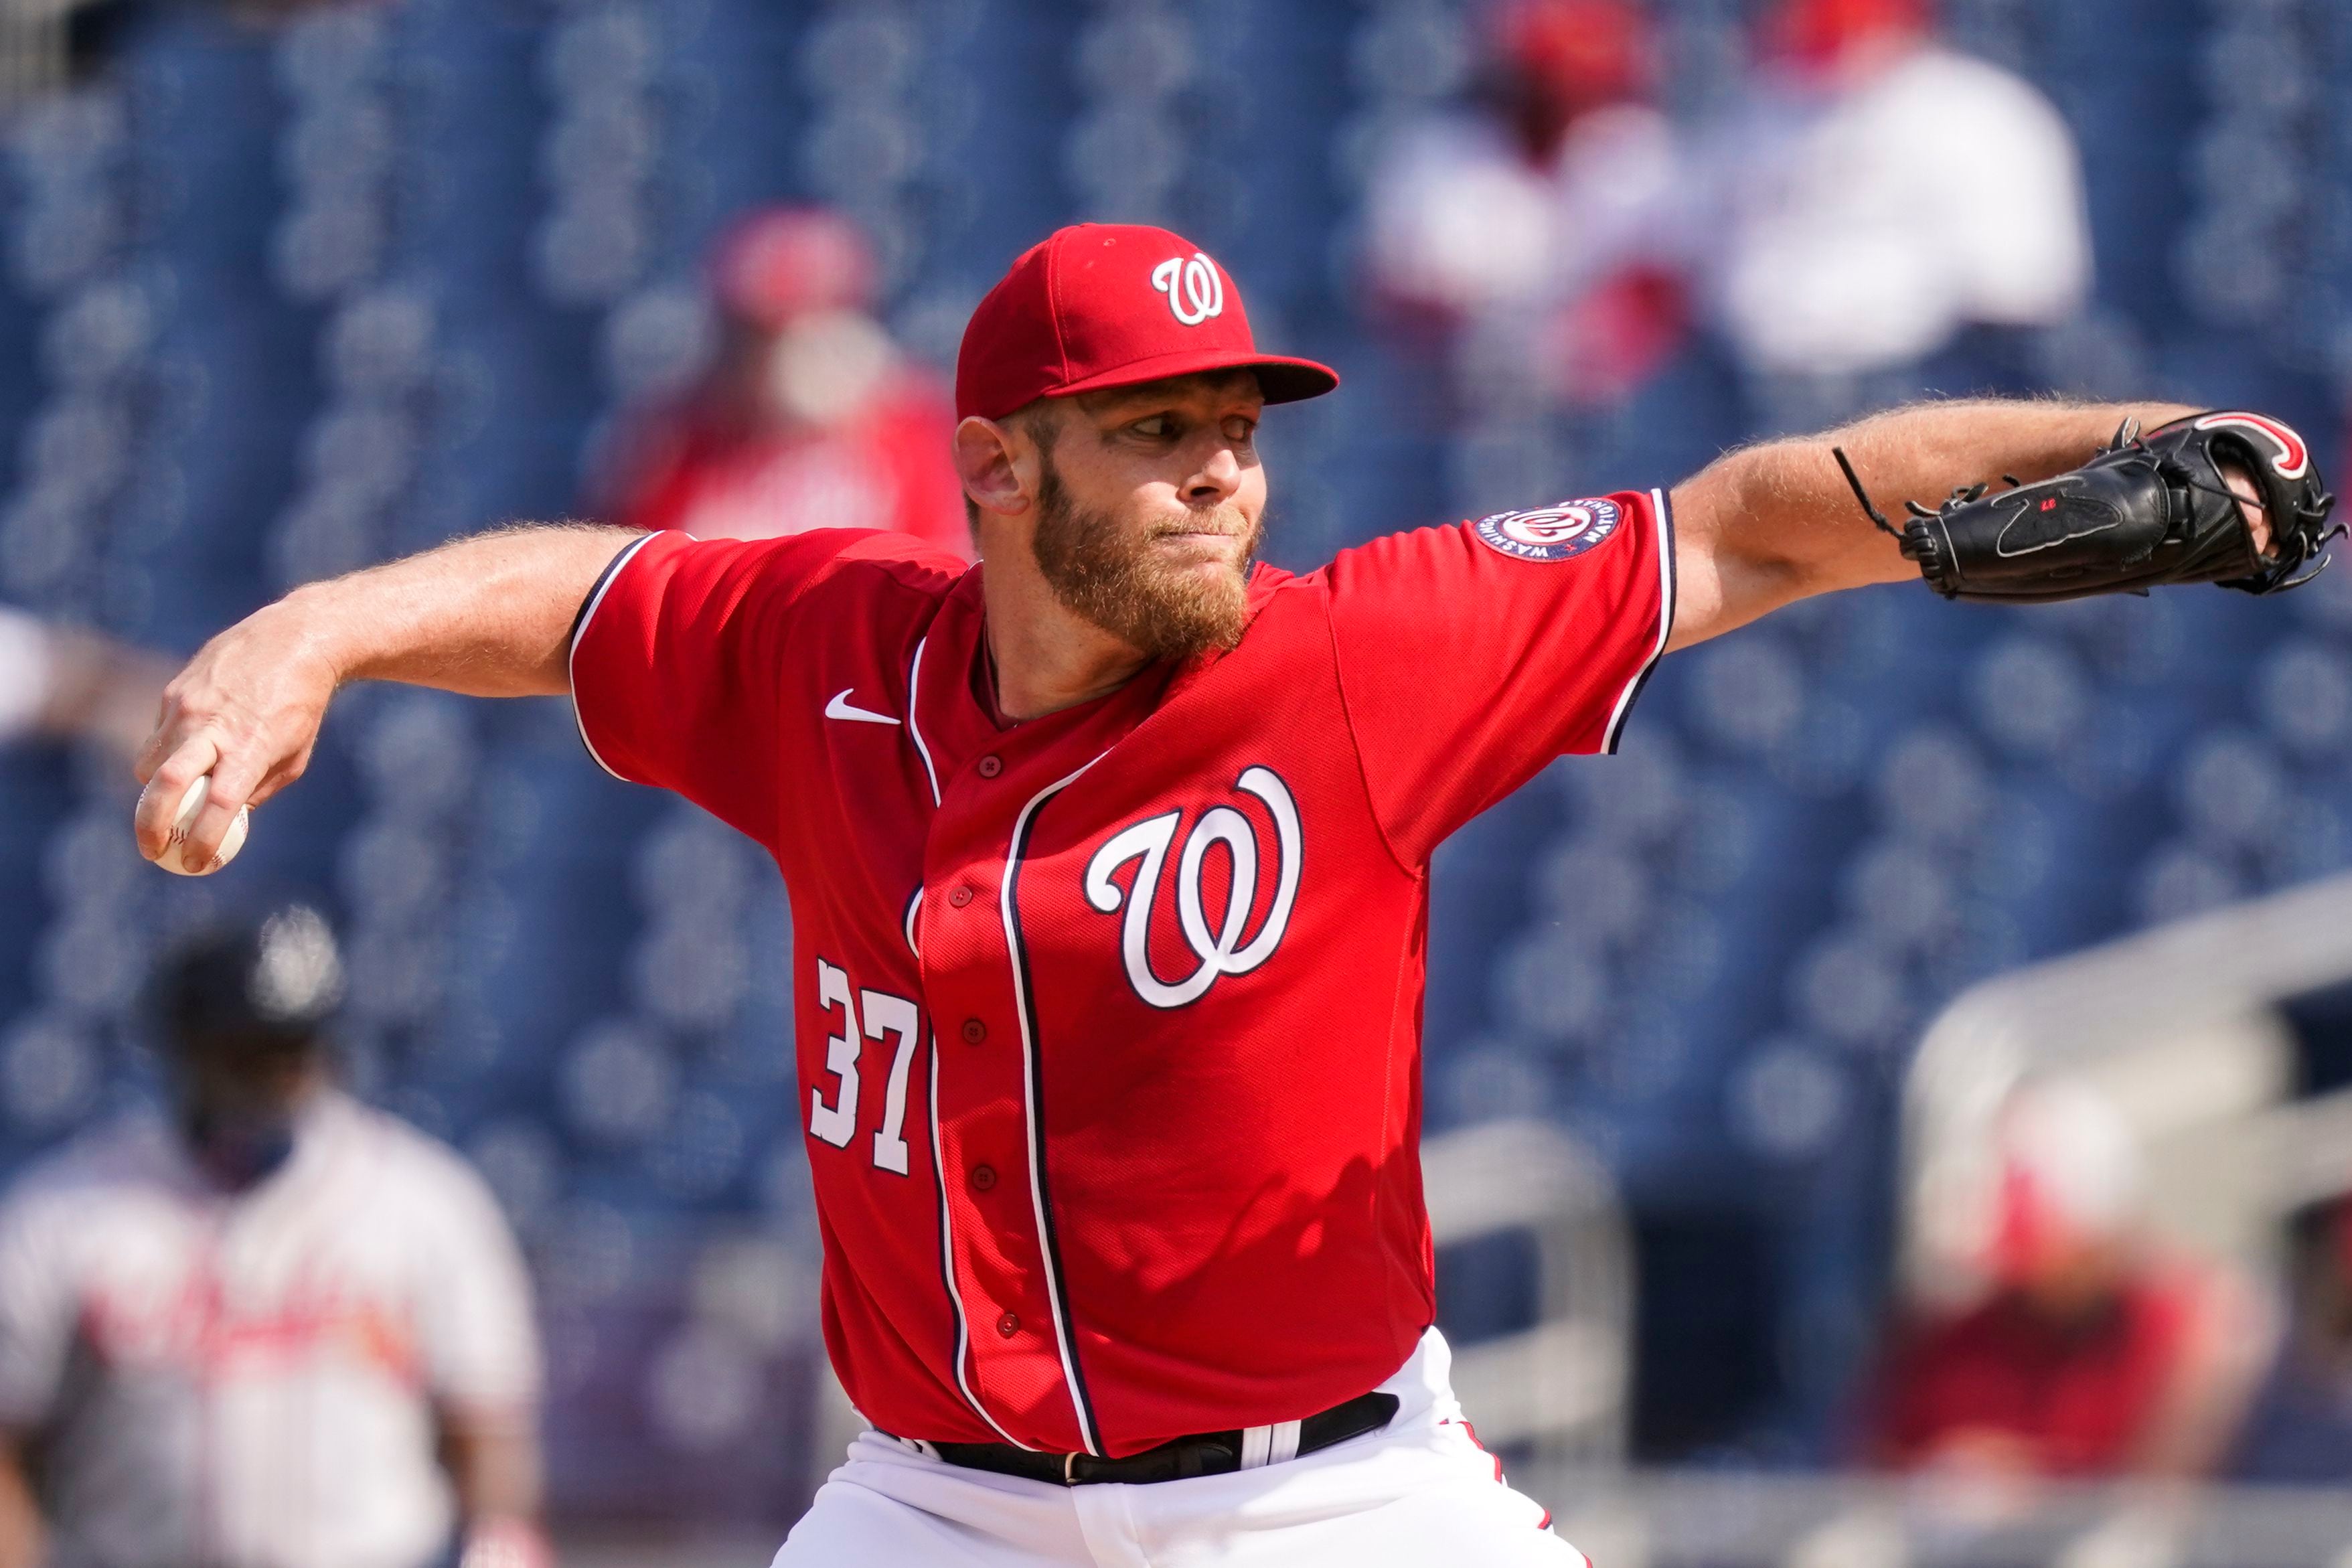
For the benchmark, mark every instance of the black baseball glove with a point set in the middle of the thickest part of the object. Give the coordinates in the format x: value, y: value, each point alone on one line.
x: 2145, y: 510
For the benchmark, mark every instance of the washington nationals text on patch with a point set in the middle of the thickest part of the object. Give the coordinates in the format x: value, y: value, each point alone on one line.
x: 1552, y: 532
x: 1109, y: 1023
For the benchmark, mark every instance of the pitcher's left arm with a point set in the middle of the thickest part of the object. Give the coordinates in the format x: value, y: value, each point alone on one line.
x: 2218, y: 497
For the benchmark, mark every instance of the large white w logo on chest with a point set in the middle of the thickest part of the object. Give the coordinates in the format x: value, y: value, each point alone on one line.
x: 1230, y: 949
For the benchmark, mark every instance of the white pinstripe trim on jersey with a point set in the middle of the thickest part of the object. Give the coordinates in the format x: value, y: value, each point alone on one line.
x: 1665, y: 524
x: 947, y: 1263
x: 572, y: 654
x: 913, y: 674
x: 938, y: 1158
x: 1005, y: 905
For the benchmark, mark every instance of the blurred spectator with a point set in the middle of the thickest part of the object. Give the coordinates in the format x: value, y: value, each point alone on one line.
x: 1547, y: 218
x: 1879, y: 192
x: 2094, y: 1353
x: 277, y: 1329
x: 61, y: 681
x: 810, y: 417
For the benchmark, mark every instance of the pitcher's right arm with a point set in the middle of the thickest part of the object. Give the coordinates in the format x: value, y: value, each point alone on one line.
x: 490, y: 615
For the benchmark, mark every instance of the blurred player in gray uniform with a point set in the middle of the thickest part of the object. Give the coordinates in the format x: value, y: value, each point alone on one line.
x: 274, y: 1329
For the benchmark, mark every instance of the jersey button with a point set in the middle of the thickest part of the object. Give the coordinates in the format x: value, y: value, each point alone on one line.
x: 990, y: 765
x: 1009, y: 1324
x: 975, y: 1031
x: 983, y: 1177
x: 961, y: 897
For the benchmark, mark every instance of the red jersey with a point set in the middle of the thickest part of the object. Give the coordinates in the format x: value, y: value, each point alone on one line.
x: 1109, y: 1021
x: 2080, y: 1395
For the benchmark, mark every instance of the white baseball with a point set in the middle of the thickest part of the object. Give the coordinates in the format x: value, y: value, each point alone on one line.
x: 192, y: 804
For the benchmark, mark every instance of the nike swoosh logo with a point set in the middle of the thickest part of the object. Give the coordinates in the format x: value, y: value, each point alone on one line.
x: 840, y: 708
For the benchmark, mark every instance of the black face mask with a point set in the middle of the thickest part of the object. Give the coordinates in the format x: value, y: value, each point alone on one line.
x: 238, y: 1149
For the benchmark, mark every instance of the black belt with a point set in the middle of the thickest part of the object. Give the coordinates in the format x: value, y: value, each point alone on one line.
x: 1178, y: 1460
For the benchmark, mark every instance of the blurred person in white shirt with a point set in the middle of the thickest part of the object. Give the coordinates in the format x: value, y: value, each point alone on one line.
x: 1879, y: 192
x: 272, y: 1328
x: 1548, y: 218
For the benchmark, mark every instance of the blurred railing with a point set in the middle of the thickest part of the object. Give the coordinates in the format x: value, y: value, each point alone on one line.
x: 1559, y: 1385
x: 2178, y: 1028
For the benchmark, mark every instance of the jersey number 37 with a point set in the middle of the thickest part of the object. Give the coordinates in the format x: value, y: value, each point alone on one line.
x: 884, y: 1018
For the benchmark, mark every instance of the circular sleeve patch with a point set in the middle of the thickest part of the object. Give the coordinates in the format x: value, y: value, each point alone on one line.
x: 1552, y: 533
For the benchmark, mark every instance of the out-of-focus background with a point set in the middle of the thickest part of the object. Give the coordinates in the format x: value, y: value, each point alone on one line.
x: 1743, y: 1219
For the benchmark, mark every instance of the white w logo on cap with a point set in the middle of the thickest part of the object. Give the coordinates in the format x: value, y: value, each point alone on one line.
x: 1196, y: 291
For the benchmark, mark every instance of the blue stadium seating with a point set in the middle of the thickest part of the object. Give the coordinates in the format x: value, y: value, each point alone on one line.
x: 288, y: 304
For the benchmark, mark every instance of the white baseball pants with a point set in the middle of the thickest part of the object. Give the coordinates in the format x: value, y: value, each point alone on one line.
x: 1417, y: 1494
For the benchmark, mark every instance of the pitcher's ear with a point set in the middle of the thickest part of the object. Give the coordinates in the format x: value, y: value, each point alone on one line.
x: 988, y: 459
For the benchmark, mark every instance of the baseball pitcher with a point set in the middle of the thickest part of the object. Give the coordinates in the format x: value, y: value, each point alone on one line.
x: 1109, y: 859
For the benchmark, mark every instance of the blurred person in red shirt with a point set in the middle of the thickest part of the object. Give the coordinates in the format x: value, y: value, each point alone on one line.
x: 1547, y: 221
x: 809, y: 417
x: 2094, y: 1353
x: 1877, y: 191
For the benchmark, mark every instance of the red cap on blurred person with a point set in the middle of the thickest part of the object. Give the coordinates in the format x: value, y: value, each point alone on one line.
x: 1819, y: 33
x: 1099, y: 305
x: 1580, y: 52
x: 784, y: 262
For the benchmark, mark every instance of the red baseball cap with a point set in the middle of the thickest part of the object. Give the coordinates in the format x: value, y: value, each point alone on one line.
x: 1098, y: 305
x: 783, y: 262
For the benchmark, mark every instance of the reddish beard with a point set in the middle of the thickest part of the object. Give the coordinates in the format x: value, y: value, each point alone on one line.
x: 1116, y: 580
